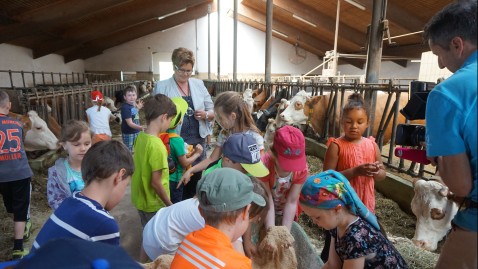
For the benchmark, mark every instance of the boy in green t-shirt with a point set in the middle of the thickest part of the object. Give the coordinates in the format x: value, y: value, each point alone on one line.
x: 179, y: 154
x: 150, y: 181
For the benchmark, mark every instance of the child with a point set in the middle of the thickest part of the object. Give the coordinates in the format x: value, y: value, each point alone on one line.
x: 64, y: 178
x: 330, y: 201
x: 225, y: 196
x: 150, y: 184
x: 166, y: 230
x: 99, y: 118
x: 233, y: 116
x: 106, y: 169
x: 240, y: 152
x: 288, y: 170
x: 178, y: 151
x: 15, y: 175
x: 130, y: 127
x: 356, y: 157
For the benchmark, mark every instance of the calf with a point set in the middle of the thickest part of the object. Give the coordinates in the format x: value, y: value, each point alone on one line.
x: 37, y: 135
x: 271, y: 110
x: 434, y: 212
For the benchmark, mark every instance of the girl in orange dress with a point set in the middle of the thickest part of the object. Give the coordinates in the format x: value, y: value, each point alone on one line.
x: 354, y: 156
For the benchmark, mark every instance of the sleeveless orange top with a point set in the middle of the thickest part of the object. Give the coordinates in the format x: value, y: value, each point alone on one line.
x: 352, y: 155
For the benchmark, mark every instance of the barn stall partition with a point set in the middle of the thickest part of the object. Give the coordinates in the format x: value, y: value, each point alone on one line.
x: 337, y: 93
x: 63, y: 102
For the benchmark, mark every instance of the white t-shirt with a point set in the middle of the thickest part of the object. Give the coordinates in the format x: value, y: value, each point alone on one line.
x: 166, y: 230
x: 99, y: 120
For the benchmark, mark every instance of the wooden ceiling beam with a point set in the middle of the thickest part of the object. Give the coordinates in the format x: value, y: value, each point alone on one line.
x: 408, y: 51
x: 305, y: 41
x: 112, y: 22
x: 295, y: 35
x: 40, y: 20
x: 397, y: 15
x: 95, y: 47
x: 322, y: 20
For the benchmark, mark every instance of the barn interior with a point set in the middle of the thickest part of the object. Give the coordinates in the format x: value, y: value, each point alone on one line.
x: 60, y: 50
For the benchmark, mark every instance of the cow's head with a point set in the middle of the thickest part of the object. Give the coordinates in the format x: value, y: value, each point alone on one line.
x: 37, y: 134
x: 434, y: 212
x: 294, y: 114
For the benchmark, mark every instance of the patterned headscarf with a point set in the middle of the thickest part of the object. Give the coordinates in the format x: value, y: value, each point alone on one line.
x: 328, y: 189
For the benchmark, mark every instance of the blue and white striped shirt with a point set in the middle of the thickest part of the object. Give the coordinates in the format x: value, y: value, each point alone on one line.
x: 79, y: 217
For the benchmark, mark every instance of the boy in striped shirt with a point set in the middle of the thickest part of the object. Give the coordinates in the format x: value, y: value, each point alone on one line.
x: 106, y: 168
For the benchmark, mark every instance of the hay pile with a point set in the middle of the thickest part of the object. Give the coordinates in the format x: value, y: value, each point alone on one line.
x: 161, y: 262
x: 281, y: 256
x: 415, y: 257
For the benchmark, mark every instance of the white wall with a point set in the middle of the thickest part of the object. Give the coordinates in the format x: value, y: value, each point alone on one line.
x: 137, y: 55
x: 388, y: 70
x: 17, y: 58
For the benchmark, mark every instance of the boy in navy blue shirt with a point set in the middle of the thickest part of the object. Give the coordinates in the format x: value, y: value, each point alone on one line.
x: 130, y: 126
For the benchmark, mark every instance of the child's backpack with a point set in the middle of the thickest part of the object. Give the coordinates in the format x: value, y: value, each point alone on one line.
x: 165, y: 137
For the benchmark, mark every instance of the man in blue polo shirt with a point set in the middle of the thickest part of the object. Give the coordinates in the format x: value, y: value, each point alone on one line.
x: 451, y: 121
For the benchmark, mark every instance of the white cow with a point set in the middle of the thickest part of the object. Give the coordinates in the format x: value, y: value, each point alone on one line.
x: 37, y: 134
x: 247, y: 96
x: 434, y: 212
x: 294, y: 114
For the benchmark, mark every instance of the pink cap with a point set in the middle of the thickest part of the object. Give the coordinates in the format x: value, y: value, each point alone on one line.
x: 96, y: 96
x: 289, y: 143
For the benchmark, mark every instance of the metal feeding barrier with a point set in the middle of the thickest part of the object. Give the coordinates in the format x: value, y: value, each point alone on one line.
x: 336, y: 92
x: 61, y: 102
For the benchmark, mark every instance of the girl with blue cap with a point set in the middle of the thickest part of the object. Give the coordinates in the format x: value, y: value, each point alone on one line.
x: 357, y: 242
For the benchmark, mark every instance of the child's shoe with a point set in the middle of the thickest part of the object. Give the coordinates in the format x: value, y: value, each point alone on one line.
x: 19, y: 254
x: 28, y: 230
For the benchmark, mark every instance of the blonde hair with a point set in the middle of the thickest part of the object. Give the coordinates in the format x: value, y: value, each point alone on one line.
x: 182, y: 56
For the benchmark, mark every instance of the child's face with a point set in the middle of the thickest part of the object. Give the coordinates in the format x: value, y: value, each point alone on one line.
x: 130, y: 97
x: 77, y: 149
x: 326, y: 219
x: 225, y: 121
x: 355, y: 122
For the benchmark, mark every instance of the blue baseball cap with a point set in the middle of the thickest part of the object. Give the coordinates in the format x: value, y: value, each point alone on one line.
x: 242, y: 148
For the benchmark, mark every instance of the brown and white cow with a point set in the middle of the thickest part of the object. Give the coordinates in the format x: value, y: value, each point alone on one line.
x: 304, y: 109
x: 434, y: 212
x: 37, y: 135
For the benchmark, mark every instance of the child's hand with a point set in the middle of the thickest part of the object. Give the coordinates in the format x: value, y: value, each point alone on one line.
x: 185, y: 178
x: 139, y: 104
x: 249, y: 248
x: 198, y: 149
x: 367, y: 169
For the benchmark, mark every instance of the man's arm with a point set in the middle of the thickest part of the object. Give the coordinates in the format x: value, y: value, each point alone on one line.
x: 456, y: 173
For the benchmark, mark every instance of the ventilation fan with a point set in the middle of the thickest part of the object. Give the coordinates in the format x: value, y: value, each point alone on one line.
x: 297, y: 54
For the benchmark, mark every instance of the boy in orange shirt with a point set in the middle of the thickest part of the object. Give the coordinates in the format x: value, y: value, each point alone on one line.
x: 225, y: 196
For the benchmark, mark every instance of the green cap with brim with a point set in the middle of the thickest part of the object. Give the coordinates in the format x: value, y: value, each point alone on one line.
x: 225, y: 190
x: 181, y: 108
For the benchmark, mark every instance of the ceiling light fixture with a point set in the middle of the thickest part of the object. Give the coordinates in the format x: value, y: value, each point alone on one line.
x: 357, y: 5
x: 172, y: 13
x: 280, y: 33
x: 304, y: 20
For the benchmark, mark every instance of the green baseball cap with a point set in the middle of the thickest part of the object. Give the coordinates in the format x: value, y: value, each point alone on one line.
x: 226, y: 190
x: 181, y: 108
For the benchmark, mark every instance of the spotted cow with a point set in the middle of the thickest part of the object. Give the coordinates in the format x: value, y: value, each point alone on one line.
x: 434, y: 212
